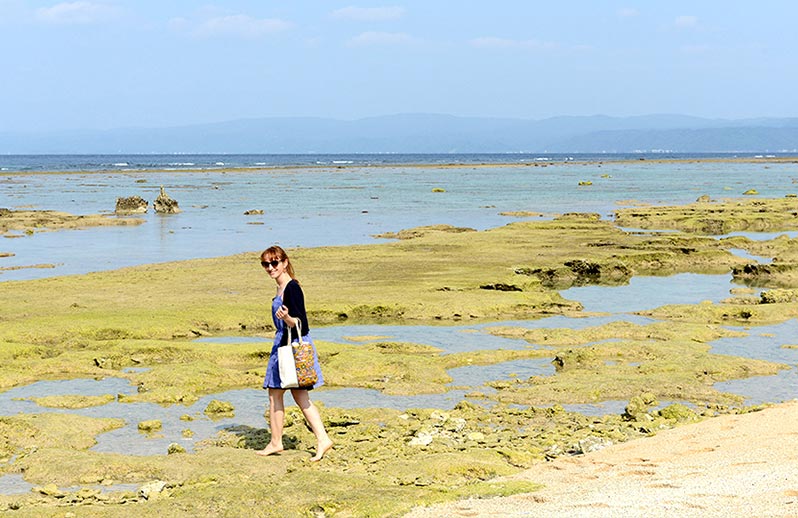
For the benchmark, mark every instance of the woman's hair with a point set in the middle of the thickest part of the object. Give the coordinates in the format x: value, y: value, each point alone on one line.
x: 276, y: 253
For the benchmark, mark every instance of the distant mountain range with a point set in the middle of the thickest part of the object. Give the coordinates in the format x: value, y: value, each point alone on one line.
x: 426, y: 133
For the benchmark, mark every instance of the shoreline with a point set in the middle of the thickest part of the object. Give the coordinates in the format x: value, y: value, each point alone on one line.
x: 730, y: 465
x: 480, y: 165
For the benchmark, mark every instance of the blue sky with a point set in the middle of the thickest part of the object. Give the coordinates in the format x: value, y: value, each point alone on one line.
x: 122, y: 63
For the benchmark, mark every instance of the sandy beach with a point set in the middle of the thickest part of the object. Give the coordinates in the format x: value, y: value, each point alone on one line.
x: 732, y: 465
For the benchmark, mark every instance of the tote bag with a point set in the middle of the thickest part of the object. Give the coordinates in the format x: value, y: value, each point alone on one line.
x: 296, y: 361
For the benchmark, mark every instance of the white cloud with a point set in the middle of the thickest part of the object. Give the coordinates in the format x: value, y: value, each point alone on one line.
x: 369, y: 14
x: 684, y: 22
x: 77, y: 13
x: 490, y: 42
x: 237, y: 25
x: 381, y: 38
x: 628, y: 12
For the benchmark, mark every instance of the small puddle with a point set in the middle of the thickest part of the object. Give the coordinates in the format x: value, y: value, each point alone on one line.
x: 14, y: 484
x: 478, y: 375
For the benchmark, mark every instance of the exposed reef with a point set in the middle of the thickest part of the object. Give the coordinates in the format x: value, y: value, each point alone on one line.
x: 716, y: 218
x: 30, y: 221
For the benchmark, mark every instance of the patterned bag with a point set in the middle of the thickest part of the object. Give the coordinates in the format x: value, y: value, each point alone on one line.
x: 304, y: 361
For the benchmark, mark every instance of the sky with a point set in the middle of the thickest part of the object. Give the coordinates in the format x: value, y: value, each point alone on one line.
x: 92, y: 64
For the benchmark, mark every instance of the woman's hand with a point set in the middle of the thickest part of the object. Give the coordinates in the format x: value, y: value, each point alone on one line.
x: 282, y: 314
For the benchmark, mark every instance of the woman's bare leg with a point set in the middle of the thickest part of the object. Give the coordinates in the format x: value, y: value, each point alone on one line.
x: 276, y: 421
x: 313, y: 417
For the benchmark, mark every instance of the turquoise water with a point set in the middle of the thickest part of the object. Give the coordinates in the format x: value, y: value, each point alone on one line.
x: 338, y: 206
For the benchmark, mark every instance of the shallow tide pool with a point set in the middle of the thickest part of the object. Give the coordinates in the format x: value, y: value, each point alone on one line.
x: 618, y: 303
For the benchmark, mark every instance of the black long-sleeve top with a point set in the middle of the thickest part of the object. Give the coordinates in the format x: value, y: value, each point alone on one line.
x: 294, y: 300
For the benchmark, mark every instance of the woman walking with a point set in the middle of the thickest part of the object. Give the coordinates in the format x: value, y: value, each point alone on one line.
x: 288, y: 311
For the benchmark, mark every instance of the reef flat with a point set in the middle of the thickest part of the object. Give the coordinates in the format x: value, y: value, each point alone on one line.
x: 30, y: 221
x: 716, y: 217
x: 139, y: 323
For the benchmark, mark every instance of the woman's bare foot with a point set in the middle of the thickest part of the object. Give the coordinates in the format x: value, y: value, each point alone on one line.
x: 321, y: 449
x: 270, y: 449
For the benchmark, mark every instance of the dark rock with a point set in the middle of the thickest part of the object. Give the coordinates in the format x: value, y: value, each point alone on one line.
x: 131, y: 205
x: 216, y: 407
x: 500, y: 286
x: 576, y: 216
x: 163, y: 204
x: 175, y: 448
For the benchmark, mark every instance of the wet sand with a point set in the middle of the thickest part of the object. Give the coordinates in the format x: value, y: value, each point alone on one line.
x: 732, y: 465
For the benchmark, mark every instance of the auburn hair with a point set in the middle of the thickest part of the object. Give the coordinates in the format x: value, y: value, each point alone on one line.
x: 277, y: 253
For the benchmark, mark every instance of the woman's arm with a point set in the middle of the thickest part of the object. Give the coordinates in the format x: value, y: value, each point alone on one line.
x: 294, y: 300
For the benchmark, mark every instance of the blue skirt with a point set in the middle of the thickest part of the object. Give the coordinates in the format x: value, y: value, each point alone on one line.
x: 272, y: 379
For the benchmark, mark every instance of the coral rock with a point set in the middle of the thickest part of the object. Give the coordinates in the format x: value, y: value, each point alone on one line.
x: 163, y: 204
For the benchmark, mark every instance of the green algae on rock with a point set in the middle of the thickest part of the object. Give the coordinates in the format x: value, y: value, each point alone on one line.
x: 48, y: 220
x: 715, y: 218
x: 29, y: 432
x: 739, y: 313
x: 72, y: 401
x: 416, y: 232
x: 217, y: 409
x: 669, y: 360
x: 773, y: 275
x: 150, y: 425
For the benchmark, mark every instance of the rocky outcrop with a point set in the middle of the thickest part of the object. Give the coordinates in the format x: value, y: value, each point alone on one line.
x: 772, y: 275
x: 131, y: 205
x: 164, y: 204
x: 218, y: 409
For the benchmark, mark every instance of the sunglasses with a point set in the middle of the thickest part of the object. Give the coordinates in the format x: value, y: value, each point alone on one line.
x: 273, y: 264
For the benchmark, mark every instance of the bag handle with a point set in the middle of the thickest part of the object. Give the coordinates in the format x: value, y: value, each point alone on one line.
x: 298, y: 326
x: 298, y: 331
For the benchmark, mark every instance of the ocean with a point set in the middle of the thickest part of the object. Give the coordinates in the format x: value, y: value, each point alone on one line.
x: 328, y: 200
x: 182, y: 162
